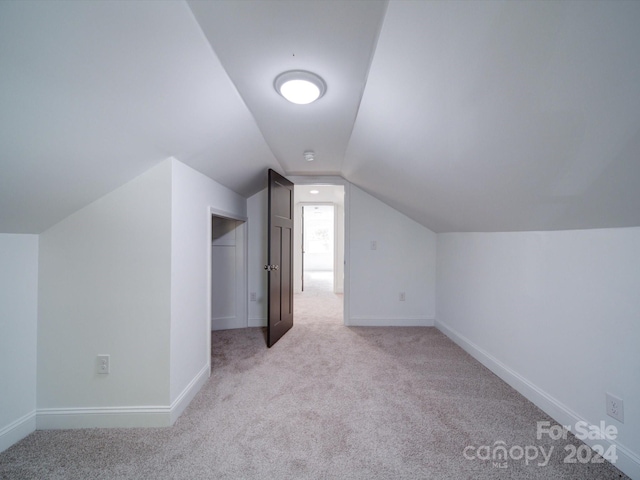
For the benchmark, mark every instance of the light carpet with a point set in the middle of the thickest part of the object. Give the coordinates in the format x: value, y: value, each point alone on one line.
x: 326, y: 402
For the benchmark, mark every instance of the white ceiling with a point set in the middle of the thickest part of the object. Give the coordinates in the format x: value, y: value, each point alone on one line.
x: 257, y: 40
x: 466, y: 116
x: 329, y: 194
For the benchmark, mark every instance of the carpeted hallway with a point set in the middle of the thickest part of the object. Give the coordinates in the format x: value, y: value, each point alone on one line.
x: 317, y: 303
x: 326, y: 402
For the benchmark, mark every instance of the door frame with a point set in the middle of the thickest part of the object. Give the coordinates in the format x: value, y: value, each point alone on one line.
x: 337, y: 181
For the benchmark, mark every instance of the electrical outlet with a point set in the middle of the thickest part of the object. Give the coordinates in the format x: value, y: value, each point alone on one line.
x: 103, y: 364
x: 374, y: 245
x: 615, y: 408
x: 402, y: 297
x: 253, y: 297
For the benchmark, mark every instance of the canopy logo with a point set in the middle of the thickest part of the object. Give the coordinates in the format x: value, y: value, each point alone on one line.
x: 500, y: 454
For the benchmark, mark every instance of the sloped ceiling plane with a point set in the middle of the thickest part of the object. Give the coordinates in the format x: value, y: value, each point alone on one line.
x: 465, y: 116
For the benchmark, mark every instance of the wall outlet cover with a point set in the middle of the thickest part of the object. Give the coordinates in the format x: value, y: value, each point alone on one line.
x: 615, y: 407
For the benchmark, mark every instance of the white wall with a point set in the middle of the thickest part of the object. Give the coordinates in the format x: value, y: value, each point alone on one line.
x: 18, y: 336
x: 404, y: 261
x: 257, y: 257
x: 105, y: 288
x: 556, y: 314
x: 193, y: 197
x: 128, y: 276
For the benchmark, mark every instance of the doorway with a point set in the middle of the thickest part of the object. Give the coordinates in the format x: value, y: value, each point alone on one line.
x: 319, y: 253
x: 228, y: 273
x: 318, y: 245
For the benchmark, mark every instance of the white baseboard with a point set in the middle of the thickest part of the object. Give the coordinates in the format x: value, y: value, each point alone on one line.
x: 226, y: 323
x: 368, y: 322
x: 389, y: 322
x: 121, y: 417
x: 628, y: 461
x: 257, y: 322
x: 106, y: 417
x: 17, y: 430
x: 184, y: 399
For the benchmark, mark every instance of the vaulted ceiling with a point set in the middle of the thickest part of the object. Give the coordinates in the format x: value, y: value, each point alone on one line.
x: 465, y: 116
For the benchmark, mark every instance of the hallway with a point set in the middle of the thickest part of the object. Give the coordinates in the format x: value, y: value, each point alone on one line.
x: 318, y: 303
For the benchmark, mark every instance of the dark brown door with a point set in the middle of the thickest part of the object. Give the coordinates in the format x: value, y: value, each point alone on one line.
x: 280, y: 258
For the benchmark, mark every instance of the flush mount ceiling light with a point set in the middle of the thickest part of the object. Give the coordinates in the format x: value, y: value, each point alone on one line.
x: 300, y: 87
x: 314, y: 192
x: 309, y: 156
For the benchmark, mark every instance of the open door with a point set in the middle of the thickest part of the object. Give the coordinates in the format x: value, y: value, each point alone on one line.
x: 280, y: 258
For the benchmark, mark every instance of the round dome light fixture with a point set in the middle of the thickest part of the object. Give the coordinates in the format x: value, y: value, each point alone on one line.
x: 300, y: 87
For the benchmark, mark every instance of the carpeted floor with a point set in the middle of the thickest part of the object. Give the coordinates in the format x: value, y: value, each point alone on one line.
x: 317, y: 303
x: 326, y: 402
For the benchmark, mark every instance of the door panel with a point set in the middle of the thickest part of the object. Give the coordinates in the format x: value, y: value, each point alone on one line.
x: 280, y: 258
